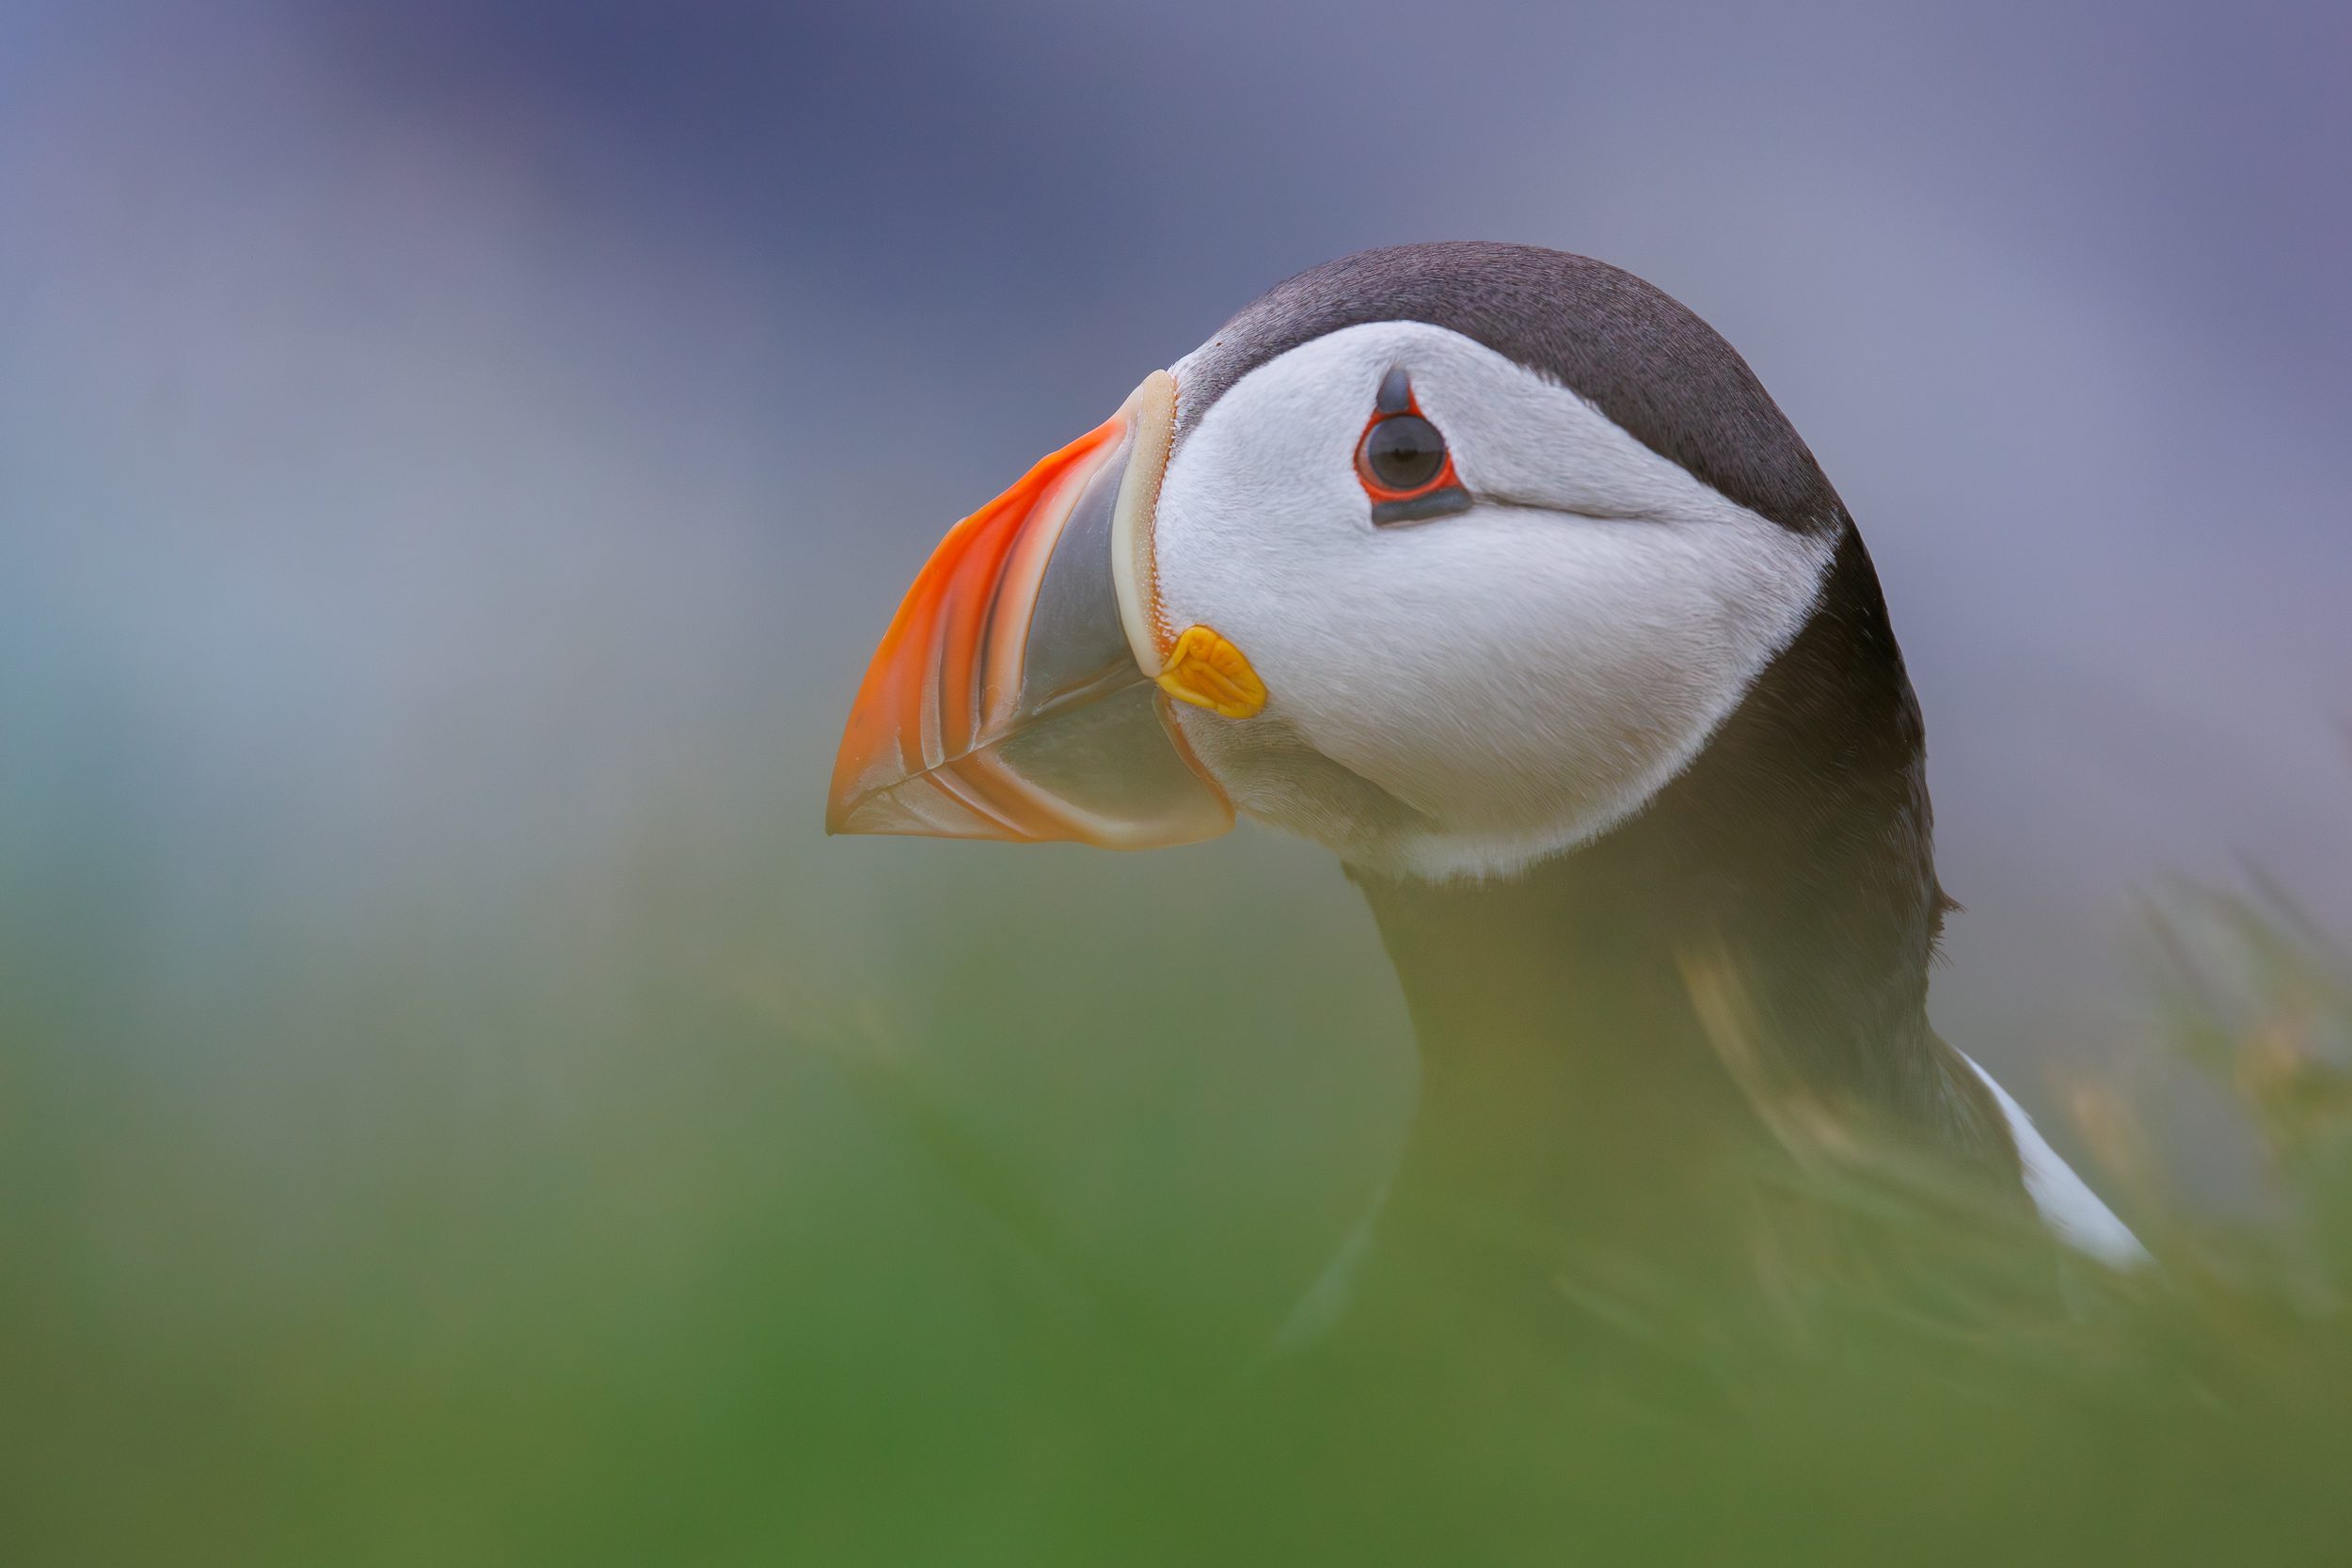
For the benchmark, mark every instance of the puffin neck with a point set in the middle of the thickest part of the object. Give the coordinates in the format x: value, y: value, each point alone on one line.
x: 1568, y: 1075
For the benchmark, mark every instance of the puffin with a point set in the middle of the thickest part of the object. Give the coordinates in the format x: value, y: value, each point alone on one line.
x: 1495, y: 570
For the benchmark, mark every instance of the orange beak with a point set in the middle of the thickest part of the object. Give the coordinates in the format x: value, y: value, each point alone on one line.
x: 1015, y: 695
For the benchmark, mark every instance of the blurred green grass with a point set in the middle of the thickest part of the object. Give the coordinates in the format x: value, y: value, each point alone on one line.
x: 597, y: 1229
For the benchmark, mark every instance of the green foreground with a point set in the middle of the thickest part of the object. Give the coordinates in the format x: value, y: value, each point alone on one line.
x: 663, y: 1262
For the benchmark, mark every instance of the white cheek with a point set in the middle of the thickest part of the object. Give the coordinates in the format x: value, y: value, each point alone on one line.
x: 1522, y: 677
x: 1534, y: 677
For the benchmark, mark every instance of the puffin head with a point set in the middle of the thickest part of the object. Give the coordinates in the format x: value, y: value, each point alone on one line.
x: 1450, y: 557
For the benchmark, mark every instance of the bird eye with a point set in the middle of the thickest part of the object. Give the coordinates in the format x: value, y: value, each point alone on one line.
x: 1403, y: 461
x: 1403, y: 453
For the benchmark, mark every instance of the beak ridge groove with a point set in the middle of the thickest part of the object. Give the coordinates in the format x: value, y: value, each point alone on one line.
x: 1012, y: 697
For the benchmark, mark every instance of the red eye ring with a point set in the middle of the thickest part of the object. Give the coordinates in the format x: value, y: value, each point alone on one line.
x: 1396, y: 451
x: 1403, y: 460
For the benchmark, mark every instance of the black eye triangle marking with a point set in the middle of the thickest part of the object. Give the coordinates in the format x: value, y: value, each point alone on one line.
x: 1403, y: 461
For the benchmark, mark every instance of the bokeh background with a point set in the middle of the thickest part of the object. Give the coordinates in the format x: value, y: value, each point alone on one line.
x: 455, y: 459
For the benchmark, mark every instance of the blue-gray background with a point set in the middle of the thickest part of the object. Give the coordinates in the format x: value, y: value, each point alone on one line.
x: 455, y: 458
